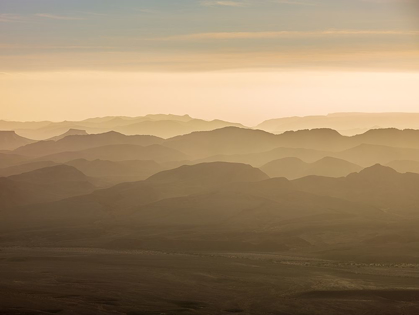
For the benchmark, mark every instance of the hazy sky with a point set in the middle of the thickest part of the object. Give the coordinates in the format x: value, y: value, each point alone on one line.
x: 239, y: 60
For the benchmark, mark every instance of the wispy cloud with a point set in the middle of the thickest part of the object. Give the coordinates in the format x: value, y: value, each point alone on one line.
x: 295, y: 2
x: 284, y: 34
x: 224, y: 3
x: 91, y: 13
x: 58, y: 17
x: 5, y: 17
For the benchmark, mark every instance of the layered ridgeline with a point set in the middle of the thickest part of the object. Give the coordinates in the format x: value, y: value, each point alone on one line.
x: 167, y: 126
x: 223, y: 206
x: 164, y: 126
x: 345, y: 123
x: 9, y: 140
x: 314, y: 192
x: 117, y: 158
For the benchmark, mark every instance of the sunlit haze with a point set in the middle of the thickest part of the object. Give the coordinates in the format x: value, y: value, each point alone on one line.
x: 239, y: 60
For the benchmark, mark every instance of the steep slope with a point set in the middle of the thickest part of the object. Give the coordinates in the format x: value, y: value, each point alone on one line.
x: 157, y: 125
x: 368, y: 154
x: 404, y: 166
x: 378, y: 185
x: 318, y: 139
x: 293, y: 168
x: 261, y: 158
x: 231, y: 140
x: 172, y: 128
x: 228, y: 140
x: 346, y: 123
x: 290, y: 168
x: 70, y: 132
x: 121, y: 199
x: 9, y: 140
x: 209, y: 174
x: 78, y: 143
x: 45, y: 185
x: 122, y: 152
x: 9, y: 159
x: 331, y: 167
x: 117, y: 172
x: 389, y: 137
x: 50, y: 175
x: 25, y: 167
x: 201, y: 206
x: 244, y: 207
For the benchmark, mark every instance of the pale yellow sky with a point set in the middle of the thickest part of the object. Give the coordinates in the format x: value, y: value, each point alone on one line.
x: 244, y: 96
x: 239, y: 60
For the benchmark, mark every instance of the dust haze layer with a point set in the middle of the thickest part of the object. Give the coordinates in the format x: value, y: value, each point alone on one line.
x: 333, y: 215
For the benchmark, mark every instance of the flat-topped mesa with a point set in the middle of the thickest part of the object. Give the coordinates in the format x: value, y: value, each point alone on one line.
x: 315, y: 131
x: 7, y: 132
x: 70, y: 132
x: 10, y: 140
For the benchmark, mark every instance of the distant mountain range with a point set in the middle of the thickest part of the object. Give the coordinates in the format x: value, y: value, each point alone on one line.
x: 9, y: 140
x: 205, y: 186
x: 168, y: 126
x: 164, y: 126
x: 199, y: 207
x: 345, y: 123
x: 293, y: 168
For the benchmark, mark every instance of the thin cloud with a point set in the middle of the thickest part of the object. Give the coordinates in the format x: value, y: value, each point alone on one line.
x: 292, y: 2
x: 223, y: 3
x: 58, y: 17
x: 5, y: 17
x: 283, y: 34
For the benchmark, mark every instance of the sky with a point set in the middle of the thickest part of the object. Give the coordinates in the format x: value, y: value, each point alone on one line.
x: 242, y: 60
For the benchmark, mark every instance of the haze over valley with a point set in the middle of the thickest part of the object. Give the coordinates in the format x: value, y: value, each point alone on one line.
x: 305, y: 201
x: 205, y: 157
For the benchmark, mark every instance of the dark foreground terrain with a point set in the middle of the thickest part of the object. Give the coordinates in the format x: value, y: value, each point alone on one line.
x: 95, y: 281
x: 228, y: 221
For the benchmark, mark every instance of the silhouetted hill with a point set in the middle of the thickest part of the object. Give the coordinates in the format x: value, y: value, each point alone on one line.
x: 157, y: 125
x: 221, y: 196
x: 197, y: 207
x: 25, y: 167
x: 389, y: 137
x: 71, y: 132
x: 172, y: 128
x: 53, y: 174
x: 332, y: 167
x: 228, y: 140
x: 231, y: 140
x: 261, y: 158
x: 319, y: 139
x: 117, y: 172
x: 129, y: 196
x: 346, y: 123
x: 244, y: 206
x: 289, y: 167
x: 9, y: 159
x: 209, y: 174
x: 404, y: 166
x: 44, y: 185
x: 377, y: 185
x: 216, y: 204
x: 375, y: 173
x: 368, y: 154
x: 122, y: 152
x: 9, y: 140
x: 292, y: 168
x: 78, y: 143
